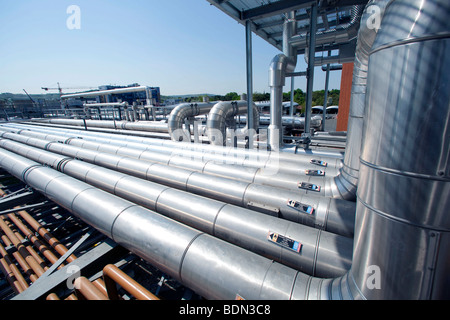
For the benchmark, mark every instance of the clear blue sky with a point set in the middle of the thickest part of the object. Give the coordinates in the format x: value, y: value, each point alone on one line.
x: 182, y: 46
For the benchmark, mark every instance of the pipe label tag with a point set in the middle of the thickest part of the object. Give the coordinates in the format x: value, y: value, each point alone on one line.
x: 304, y: 208
x: 315, y: 173
x: 319, y: 163
x: 284, y: 241
x: 309, y: 186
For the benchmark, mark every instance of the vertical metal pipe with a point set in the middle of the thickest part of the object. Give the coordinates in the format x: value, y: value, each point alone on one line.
x: 310, y: 71
x: 291, y: 108
x: 325, y: 98
x: 403, y: 200
x: 249, y: 58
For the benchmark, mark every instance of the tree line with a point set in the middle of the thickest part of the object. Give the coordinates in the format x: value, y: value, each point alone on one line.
x: 299, y: 97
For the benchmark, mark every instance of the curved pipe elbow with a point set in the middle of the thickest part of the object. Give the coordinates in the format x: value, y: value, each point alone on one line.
x: 280, y: 65
x: 220, y: 116
x: 176, y: 121
x: 346, y: 189
x: 179, y: 115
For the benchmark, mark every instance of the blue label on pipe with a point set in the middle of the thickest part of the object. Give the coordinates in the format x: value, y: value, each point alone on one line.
x: 284, y: 241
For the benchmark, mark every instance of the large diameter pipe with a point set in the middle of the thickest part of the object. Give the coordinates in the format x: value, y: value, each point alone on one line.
x: 213, y: 268
x: 280, y: 65
x: 404, y: 186
x: 347, y: 180
x: 323, y: 254
x: 345, y: 211
x: 278, y: 170
x: 332, y: 215
x: 285, y: 167
x: 222, y: 115
x: 332, y: 158
x: 151, y: 126
x: 180, y: 114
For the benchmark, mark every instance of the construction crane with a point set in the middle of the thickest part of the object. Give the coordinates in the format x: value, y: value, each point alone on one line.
x: 61, y: 93
x: 61, y: 89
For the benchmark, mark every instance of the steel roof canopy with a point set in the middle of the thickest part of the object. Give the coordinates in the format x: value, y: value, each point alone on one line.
x: 268, y: 16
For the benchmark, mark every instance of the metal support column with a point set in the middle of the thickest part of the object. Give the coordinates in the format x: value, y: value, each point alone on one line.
x: 291, y: 109
x: 310, y: 71
x: 248, y: 50
x: 325, y: 98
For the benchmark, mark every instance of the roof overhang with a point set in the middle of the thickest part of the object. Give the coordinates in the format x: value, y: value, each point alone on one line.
x: 267, y: 16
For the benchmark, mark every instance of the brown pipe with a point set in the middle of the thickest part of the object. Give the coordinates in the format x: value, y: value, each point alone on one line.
x: 52, y: 297
x: 85, y: 289
x: 113, y: 275
x: 100, y: 284
x: 30, y: 249
x: 19, y: 258
x: 43, y: 232
x: 37, y: 269
x: 71, y: 297
x: 10, y: 277
x: 17, y: 274
x: 34, y: 240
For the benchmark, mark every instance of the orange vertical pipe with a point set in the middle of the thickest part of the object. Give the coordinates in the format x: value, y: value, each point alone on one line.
x: 344, y: 99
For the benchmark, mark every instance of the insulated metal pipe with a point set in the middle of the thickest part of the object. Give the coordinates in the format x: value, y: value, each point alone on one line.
x: 222, y: 116
x: 213, y: 268
x: 310, y: 57
x: 286, y: 171
x: 403, y: 195
x: 280, y: 65
x: 152, y: 126
x: 347, y: 180
x: 180, y: 114
x: 242, y: 227
x: 332, y: 215
x: 332, y: 158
